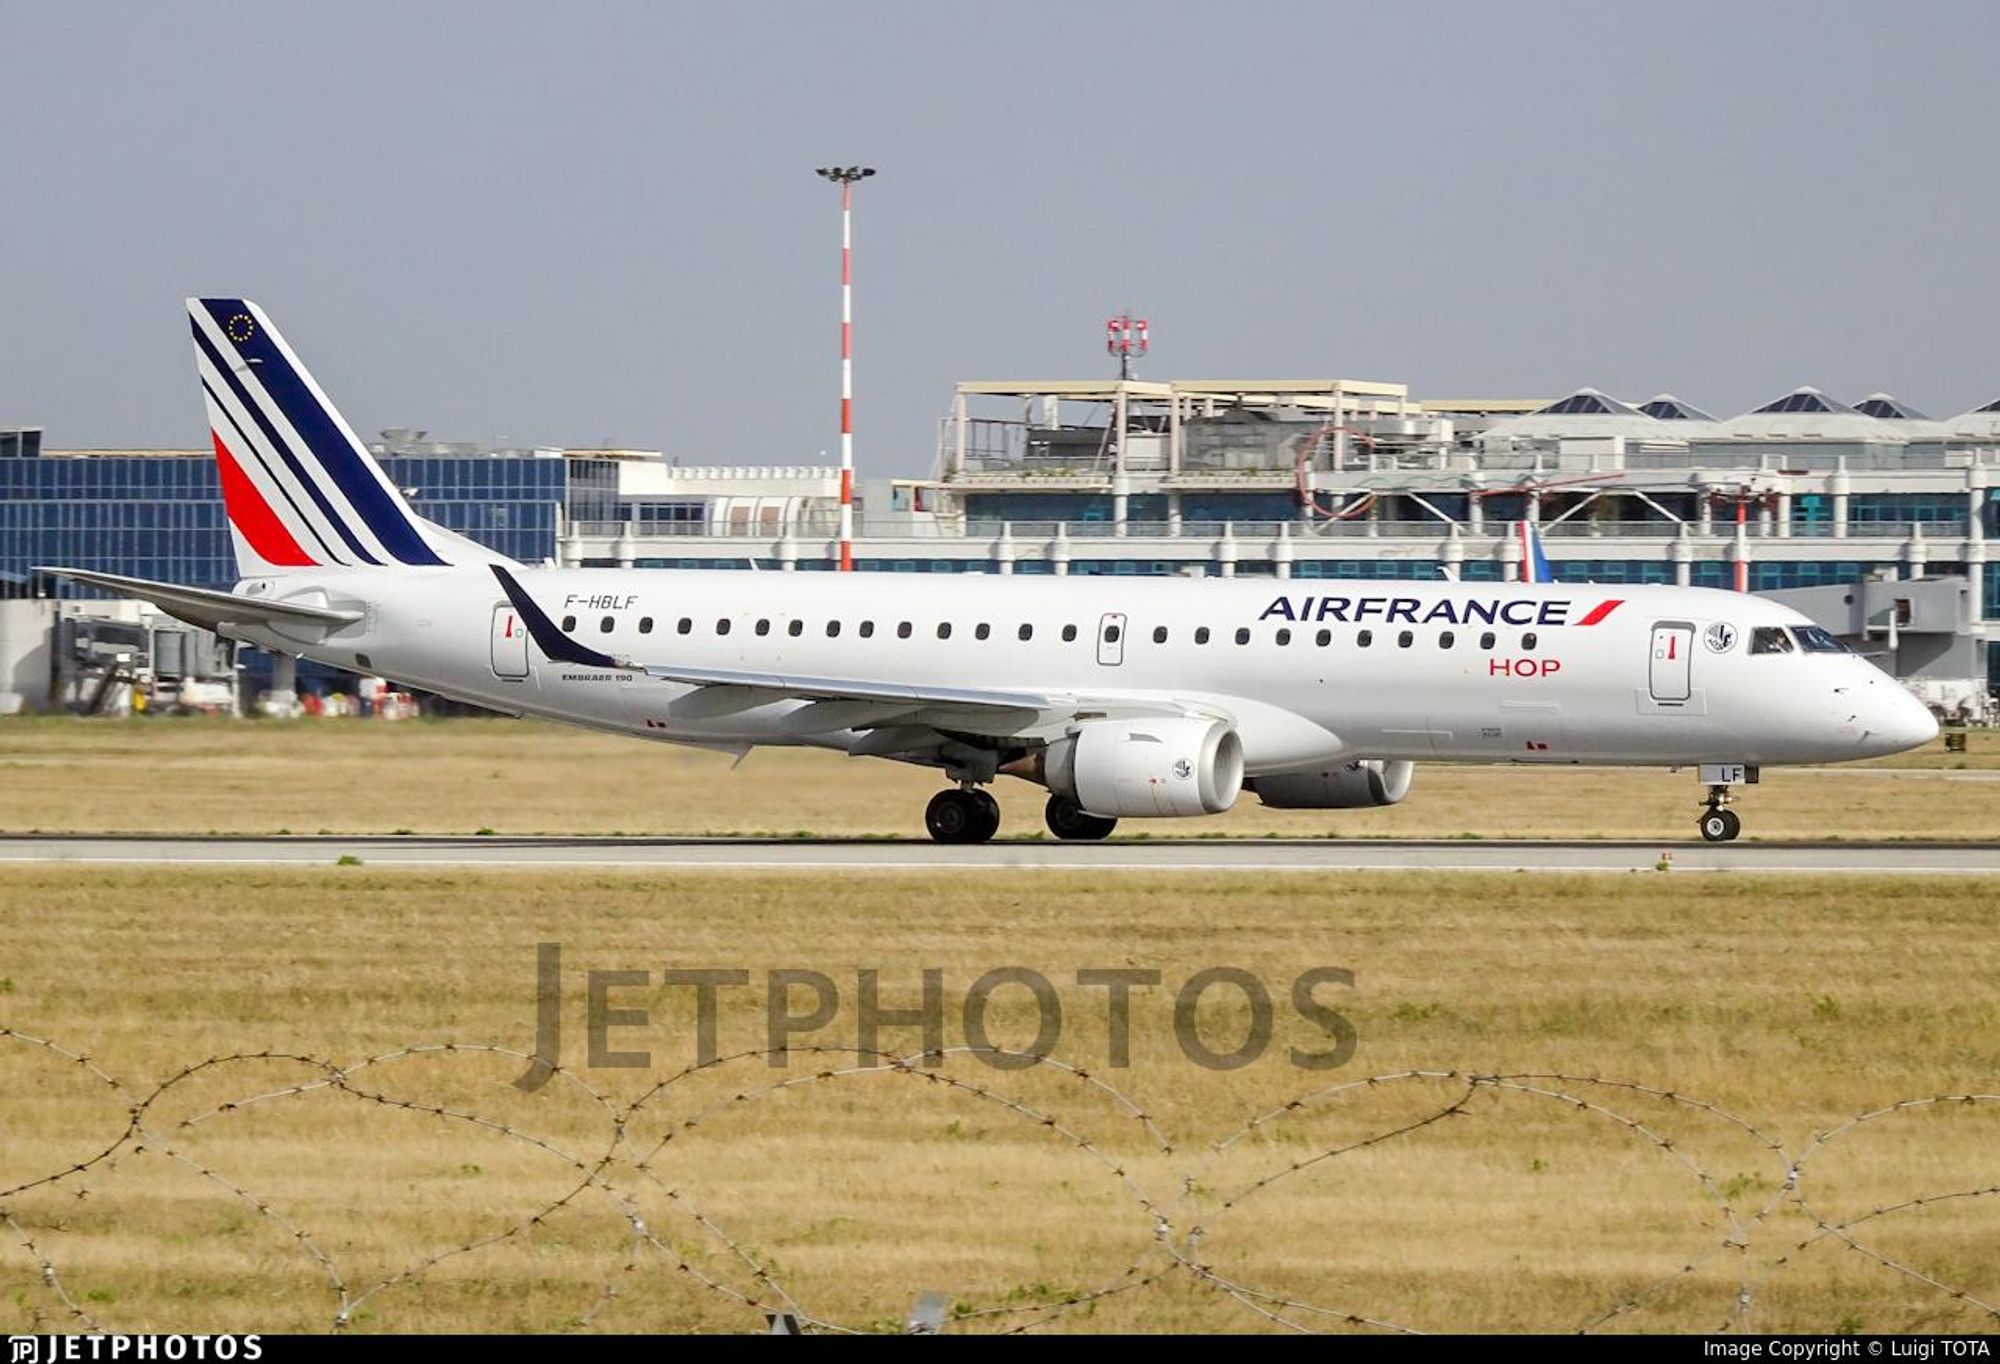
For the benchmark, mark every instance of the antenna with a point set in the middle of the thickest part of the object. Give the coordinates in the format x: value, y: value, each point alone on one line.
x: 1125, y: 337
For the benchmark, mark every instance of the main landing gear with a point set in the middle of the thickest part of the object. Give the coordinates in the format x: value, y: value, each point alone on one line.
x: 1068, y: 821
x: 967, y: 814
x: 964, y: 814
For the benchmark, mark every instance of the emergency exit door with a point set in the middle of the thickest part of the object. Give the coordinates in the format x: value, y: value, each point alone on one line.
x: 1111, y: 640
x: 510, y: 644
x: 1673, y: 645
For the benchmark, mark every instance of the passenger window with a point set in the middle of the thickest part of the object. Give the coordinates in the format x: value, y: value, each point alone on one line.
x: 1201, y: 634
x: 1770, y: 639
x: 684, y: 625
x: 982, y: 630
x: 1323, y: 638
x: 763, y: 627
x: 903, y: 630
x: 1364, y: 639
x: 1405, y: 639
x: 1111, y: 634
x: 833, y: 629
x: 722, y: 626
x: 1486, y: 639
x: 868, y: 629
x: 1243, y: 636
x: 1159, y: 634
x: 1284, y: 635
x: 569, y: 624
x: 1069, y: 633
x: 796, y: 628
x: 1528, y: 642
x: 1026, y: 632
x: 1446, y: 639
x: 645, y: 625
x: 604, y: 626
x: 944, y: 629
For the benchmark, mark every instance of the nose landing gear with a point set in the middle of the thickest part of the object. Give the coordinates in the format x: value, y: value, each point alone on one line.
x: 1719, y: 823
x: 962, y: 815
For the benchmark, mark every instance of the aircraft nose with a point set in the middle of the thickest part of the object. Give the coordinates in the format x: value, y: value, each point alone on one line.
x: 1899, y: 721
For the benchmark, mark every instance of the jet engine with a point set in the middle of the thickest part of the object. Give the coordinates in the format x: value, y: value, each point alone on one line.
x: 1348, y: 786
x: 1142, y: 768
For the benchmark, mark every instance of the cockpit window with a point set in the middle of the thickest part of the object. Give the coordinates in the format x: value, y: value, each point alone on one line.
x: 1770, y: 639
x: 1817, y: 641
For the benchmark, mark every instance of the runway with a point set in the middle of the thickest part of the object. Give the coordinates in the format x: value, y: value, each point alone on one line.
x: 1205, y: 855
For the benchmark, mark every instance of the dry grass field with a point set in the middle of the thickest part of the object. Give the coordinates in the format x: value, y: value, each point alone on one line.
x: 260, y: 1196
x: 514, y: 777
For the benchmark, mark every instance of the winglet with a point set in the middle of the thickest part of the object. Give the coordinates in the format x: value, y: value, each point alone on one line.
x: 559, y: 647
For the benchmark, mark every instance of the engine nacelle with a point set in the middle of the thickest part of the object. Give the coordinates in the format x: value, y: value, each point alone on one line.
x: 1145, y: 768
x: 1350, y: 786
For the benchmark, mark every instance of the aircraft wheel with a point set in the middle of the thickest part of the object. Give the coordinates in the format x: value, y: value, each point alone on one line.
x: 1719, y: 826
x: 989, y: 815
x: 956, y: 816
x: 1067, y: 820
x: 1735, y: 825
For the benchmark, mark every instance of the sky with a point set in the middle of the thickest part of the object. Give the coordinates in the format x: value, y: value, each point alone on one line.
x: 597, y: 223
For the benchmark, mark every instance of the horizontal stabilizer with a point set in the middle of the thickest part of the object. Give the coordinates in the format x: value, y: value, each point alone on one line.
x: 208, y: 608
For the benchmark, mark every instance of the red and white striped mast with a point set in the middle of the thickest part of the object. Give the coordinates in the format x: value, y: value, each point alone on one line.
x: 845, y: 177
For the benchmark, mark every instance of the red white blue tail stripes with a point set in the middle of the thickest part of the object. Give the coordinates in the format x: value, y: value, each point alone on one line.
x: 299, y: 488
x: 1534, y: 561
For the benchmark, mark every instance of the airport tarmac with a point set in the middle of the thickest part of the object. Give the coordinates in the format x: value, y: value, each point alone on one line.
x: 1209, y: 855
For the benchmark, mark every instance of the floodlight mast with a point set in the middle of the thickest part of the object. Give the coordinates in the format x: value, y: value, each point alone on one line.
x: 846, y: 177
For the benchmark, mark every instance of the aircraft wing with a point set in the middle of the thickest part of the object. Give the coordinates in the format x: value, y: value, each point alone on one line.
x: 970, y: 708
x: 206, y: 607
x: 848, y: 689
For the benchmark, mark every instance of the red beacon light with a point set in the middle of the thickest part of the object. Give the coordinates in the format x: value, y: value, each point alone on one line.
x: 1125, y: 337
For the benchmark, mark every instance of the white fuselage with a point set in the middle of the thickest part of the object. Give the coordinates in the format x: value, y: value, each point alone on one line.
x: 1309, y: 671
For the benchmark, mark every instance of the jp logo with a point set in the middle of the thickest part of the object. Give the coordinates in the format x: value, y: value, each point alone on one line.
x: 1721, y: 637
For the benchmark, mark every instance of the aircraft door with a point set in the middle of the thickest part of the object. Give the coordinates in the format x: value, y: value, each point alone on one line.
x: 1673, y: 649
x: 1111, y: 639
x: 510, y: 644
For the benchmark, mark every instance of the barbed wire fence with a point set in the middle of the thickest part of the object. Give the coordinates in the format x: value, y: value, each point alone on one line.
x: 628, y: 1168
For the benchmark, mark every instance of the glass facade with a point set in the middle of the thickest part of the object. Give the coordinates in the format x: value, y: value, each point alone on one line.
x: 1610, y: 571
x: 923, y: 566
x: 1258, y: 506
x: 148, y: 516
x: 1037, y: 507
x: 1770, y: 577
x: 1139, y: 568
x: 1929, y: 508
x: 1421, y: 570
x: 160, y: 516
x: 505, y: 503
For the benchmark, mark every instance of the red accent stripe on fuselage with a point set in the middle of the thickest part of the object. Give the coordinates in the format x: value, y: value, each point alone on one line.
x: 1601, y: 610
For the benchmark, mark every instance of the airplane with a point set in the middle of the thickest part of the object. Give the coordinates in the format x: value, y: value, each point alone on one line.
x: 1123, y: 697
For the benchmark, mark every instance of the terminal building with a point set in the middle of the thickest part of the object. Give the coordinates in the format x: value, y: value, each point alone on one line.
x: 1877, y: 516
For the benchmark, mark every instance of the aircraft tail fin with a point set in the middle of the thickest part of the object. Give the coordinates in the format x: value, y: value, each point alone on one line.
x: 300, y: 489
